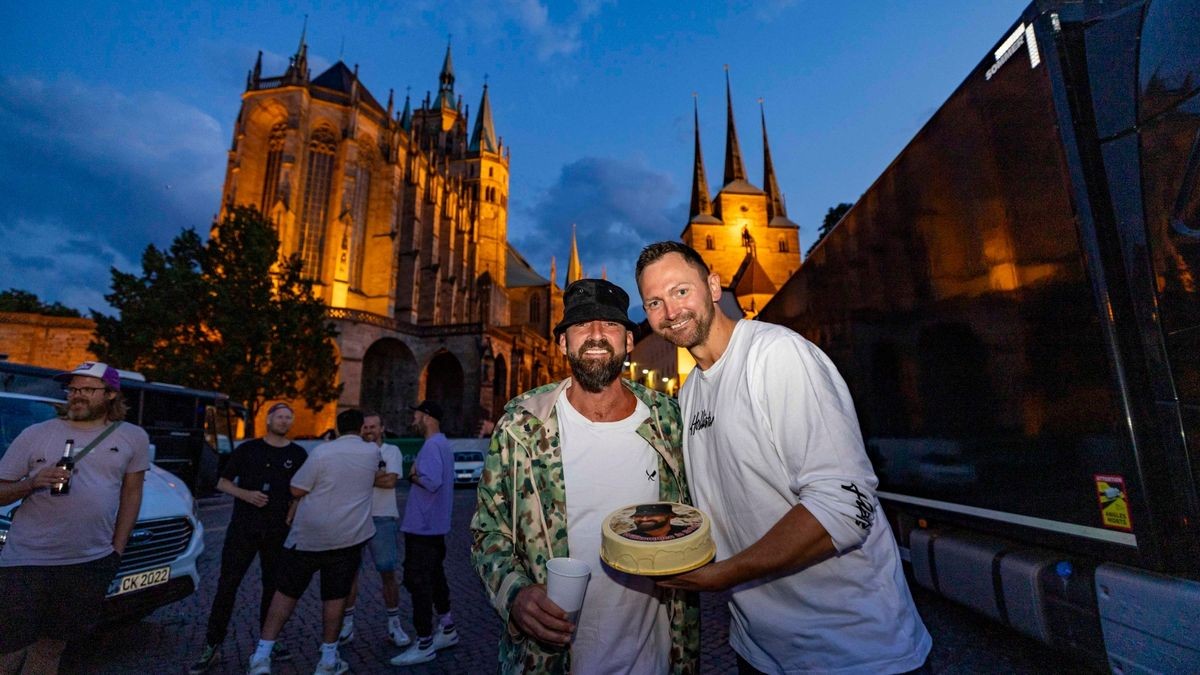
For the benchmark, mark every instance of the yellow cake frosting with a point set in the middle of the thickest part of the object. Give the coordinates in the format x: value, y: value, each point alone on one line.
x: 656, y: 538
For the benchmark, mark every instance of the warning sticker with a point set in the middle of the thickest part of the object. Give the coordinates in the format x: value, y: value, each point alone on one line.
x: 1114, y: 502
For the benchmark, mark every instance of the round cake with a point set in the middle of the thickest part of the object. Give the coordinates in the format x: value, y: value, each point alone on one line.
x: 656, y: 539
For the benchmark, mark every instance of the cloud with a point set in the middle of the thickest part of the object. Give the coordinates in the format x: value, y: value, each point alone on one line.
x: 59, y: 263
x: 552, y: 36
x: 618, y: 206
x: 100, y: 170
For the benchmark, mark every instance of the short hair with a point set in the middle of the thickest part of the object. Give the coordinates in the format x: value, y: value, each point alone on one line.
x: 367, y: 412
x: 349, y: 421
x: 654, y: 252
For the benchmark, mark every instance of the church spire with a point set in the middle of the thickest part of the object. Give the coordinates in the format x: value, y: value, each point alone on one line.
x: 553, y: 271
x: 483, y: 138
x: 574, y: 267
x: 701, y: 204
x: 406, y: 116
x: 298, y: 69
x: 734, y: 168
x: 775, y: 206
x: 446, y: 82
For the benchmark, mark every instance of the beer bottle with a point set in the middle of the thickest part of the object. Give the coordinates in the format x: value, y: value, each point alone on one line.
x: 67, y: 462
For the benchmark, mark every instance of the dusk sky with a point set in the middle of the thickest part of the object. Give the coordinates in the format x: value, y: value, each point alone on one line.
x: 117, y: 116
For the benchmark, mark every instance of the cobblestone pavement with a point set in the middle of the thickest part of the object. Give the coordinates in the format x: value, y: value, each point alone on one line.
x: 167, y: 640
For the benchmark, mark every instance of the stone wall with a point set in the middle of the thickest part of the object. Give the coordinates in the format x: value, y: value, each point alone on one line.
x: 47, y: 341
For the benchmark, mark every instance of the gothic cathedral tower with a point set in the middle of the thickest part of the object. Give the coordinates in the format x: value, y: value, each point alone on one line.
x: 743, y: 233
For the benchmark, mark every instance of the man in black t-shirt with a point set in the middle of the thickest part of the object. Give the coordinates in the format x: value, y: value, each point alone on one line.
x: 258, y: 475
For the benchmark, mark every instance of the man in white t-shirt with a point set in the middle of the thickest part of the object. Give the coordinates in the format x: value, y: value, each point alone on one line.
x: 775, y: 457
x: 332, y: 521
x: 592, y: 443
x: 385, y: 515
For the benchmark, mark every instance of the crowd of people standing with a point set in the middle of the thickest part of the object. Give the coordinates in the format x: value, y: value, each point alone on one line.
x: 763, y: 438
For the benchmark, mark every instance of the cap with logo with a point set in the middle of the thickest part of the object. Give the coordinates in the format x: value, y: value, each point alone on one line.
x: 594, y: 300
x: 430, y: 408
x: 101, y: 371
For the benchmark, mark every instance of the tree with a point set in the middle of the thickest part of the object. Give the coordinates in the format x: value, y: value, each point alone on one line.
x: 228, y: 314
x: 832, y: 216
x: 16, y: 300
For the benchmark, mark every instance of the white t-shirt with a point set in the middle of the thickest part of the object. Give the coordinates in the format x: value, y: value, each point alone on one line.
x: 771, y: 424
x: 383, y: 500
x: 340, y: 479
x: 623, y: 626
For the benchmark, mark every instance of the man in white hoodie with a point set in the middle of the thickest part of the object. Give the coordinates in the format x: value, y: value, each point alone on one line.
x: 774, y: 455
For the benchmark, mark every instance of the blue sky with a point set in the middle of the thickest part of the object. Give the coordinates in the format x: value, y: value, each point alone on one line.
x: 117, y: 116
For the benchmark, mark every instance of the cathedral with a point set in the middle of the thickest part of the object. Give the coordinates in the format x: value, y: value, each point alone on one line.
x: 744, y: 235
x: 401, y: 220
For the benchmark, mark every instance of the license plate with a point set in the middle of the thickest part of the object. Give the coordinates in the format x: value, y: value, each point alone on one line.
x: 139, y: 580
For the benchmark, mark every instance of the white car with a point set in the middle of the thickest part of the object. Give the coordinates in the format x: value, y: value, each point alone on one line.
x: 468, y: 459
x: 159, y: 564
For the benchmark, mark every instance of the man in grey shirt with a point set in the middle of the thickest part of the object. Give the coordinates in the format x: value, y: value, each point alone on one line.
x: 64, y: 549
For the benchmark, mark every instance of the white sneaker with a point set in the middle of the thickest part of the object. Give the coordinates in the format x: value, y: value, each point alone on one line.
x: 347, y: 632
x: 415, y: 654
x: 445, y: 638
x: 259, y: 666
x: 336, y: 668
x: 397, y: 635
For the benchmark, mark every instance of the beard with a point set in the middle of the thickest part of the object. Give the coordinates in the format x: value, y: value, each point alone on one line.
x: 83, y: 410
x: 595, y: 374
x: 694, y: 334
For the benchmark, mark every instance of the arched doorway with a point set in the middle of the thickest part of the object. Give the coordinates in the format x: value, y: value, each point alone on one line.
x: 444, y: 384
x: 389, y: 383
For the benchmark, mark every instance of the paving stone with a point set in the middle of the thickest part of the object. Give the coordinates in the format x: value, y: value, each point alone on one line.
x: 170, y: 638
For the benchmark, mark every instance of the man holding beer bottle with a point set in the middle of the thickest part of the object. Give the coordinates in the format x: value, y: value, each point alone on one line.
x: 258, y: 475
x: 79, y: 507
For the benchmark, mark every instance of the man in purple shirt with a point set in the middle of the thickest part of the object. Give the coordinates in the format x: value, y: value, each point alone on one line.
x: 426, y: 522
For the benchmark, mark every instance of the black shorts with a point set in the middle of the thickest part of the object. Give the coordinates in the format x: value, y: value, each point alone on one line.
x: 337, y: 568
x: 58, y: 602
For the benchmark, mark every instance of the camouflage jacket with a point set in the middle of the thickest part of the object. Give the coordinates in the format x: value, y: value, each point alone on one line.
x: 521, y: 519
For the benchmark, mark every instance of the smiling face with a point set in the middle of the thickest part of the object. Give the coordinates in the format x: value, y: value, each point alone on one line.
x: 596, y: 351
x: 680, y: 303
x: 87, y: 399
x: 280, y: 421
x: 652, y: 524
x: 372, y: 428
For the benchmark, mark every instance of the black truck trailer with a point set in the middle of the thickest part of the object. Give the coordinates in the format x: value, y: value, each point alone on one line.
x: 1015, y: 306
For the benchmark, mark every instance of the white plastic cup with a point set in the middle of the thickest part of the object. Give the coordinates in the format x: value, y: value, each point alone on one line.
x: 566, y: 584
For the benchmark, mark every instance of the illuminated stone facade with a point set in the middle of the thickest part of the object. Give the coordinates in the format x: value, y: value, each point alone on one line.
x: 744, y: 235
x: 401, y: 220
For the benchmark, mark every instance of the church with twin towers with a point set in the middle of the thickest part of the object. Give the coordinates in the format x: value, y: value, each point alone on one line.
x: 742, y: 232
x: 400, y: 214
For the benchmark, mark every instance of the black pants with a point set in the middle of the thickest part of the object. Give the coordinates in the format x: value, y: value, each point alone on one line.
x: 425, y: 579
x: 242, y: 543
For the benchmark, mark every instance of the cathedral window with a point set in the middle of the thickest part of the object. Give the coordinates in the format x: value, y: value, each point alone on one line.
x: 362, y: 199
x: 491, y: 171
x: 315, y: 211
x: 274, y: 160
x: 783, y: 245
x: 708, y: 242
x: 535, y: 310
